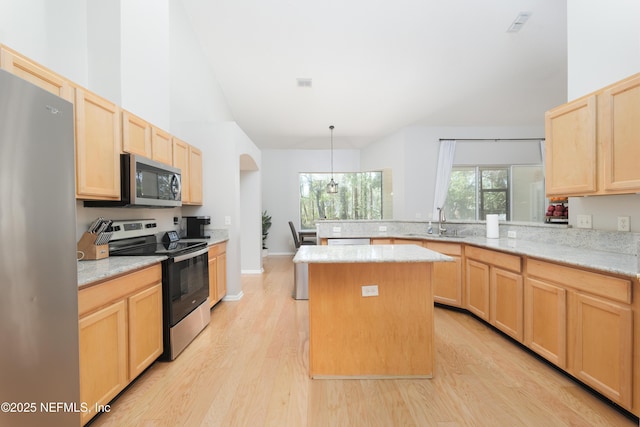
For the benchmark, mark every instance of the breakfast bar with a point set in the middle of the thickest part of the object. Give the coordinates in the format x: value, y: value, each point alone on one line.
x: 370, y: 310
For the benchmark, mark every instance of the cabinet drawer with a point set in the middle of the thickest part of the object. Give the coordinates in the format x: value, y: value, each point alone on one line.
x: 104, y: 293
x: 609, y: 287
x: 217, y: 249
x: 445, y: 248
x: 498, y: 259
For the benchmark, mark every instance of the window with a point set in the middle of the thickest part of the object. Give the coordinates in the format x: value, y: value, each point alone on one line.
x: 513, y: 192
x: 359, y: 197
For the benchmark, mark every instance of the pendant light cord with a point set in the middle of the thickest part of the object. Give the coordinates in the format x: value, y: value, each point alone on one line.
x: 331, y: 128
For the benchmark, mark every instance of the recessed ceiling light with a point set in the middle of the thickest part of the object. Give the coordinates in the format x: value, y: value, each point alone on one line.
x: 304, y: 82
x: 519, y: 22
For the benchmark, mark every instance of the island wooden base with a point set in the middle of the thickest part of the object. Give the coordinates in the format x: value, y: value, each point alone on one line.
x: 384, y: 336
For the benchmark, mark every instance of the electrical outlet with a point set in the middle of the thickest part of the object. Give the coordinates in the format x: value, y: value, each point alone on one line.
x: 511, y: 234
x: 337, y: 229
x: 382, y: 228
x: 370, y: 291
x: 623, y: 223
x: 227, y: 220
x: 584, y: 221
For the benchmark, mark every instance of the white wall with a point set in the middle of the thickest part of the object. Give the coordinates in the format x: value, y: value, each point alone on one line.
x: 51, y: 33
x: 280, y: 187
x: 603, y: 47
x: 603, y: 43
x: 412, y: 154
x: 143, y: 55
x: 222, y: 144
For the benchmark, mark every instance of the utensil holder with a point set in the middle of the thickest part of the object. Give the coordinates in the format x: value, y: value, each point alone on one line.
x: 87, y: 245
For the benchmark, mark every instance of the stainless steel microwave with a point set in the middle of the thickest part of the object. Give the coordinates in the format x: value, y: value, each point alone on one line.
x: 145, y: 183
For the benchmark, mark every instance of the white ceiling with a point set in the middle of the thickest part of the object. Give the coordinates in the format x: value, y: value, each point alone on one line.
x: 379, y: 65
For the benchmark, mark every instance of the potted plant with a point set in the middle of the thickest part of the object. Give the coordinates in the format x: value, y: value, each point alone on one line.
x: 266, y: 225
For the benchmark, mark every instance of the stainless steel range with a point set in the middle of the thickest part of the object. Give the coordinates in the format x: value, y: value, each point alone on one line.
x: 185, y: 278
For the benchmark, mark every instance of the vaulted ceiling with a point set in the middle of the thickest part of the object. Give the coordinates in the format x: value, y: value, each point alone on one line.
x: 376, y: 66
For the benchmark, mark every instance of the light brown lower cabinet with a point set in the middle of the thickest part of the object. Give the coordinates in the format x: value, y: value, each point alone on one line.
x: 545, y: 319
x: 103, y: 356
x: 600, y: 345
x: 120, y: 322
x: 495, y: 291
x: 587, y: 318
x: 217, y: 272
x: 477, y: 288
x: 446, y: 277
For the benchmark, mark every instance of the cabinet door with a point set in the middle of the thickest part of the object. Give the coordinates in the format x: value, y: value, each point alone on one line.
x: 447, y: 282
x: 181, y: 161
x: 478, y: 288
x: 213, y: 279
x: 221, y: 280
x: 161, y: 146
x: 145, y: 329
x: 35, y: 73
x: 506, y: 302
x: 446, y: 277
x: 103, y: 356
x: 620, y: 135
x: 97, y: 147
x: 570, y: 152
x: 136, y: 135
x: 545, y: 320
x: 195, y: 176
x: 600, y: 344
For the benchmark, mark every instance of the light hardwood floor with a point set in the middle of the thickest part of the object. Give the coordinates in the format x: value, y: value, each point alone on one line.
x: 249, y: 368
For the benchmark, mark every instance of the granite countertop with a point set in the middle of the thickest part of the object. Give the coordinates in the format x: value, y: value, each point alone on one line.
x: 610, y: 262
x: 94, y: 271
x: 367, y: 253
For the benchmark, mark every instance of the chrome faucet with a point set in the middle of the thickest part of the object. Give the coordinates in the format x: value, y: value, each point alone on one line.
x: 441, y: 220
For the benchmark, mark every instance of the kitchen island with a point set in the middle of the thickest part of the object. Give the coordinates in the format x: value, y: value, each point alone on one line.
x: 370, y: 310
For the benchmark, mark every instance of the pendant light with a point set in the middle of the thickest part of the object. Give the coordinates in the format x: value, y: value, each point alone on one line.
x: 332, y: 186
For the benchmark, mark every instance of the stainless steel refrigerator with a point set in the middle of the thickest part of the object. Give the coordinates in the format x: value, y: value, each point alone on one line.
x: 39, y: 372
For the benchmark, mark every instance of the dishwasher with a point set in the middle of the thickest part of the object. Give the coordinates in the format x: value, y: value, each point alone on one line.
x: 301, y: 270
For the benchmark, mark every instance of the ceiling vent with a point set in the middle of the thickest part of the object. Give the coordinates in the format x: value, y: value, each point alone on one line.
x: 303, y: 82
x: 519, y: 22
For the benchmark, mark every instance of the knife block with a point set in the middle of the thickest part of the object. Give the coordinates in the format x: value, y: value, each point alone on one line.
x: 91, y: 251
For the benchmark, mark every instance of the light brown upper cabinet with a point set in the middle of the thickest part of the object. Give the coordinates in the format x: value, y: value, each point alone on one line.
x: 161, y: 146
x: 592, y: 143
x: 181, y: 161
x: 136, y: 135
x: 35, y: 73
x: 98, y: 142
x: 195, y: 176
x: 620, y: 135
x: 570, y: 152
x: 189, y: 160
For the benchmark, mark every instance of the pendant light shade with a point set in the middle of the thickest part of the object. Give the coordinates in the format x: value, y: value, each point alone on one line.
x: 332, y: 186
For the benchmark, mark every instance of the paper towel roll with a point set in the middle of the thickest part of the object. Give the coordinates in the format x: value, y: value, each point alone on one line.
x: 492, y: 227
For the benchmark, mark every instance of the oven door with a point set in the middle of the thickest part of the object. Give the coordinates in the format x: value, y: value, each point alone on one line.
x: 185, y: 283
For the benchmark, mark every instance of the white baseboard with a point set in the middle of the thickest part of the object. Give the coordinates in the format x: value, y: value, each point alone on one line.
x: 252, y: 271
x: 236, y: 297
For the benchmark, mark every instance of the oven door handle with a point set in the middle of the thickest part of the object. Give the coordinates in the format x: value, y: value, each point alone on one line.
x: 190, y: 255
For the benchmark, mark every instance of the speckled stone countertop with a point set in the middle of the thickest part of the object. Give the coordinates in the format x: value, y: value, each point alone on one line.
x: 608, y: 262
x: 367, y: 253
x: 95, y: 271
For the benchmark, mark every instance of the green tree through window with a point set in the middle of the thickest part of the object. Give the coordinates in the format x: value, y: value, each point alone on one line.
x: 359, y: 197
